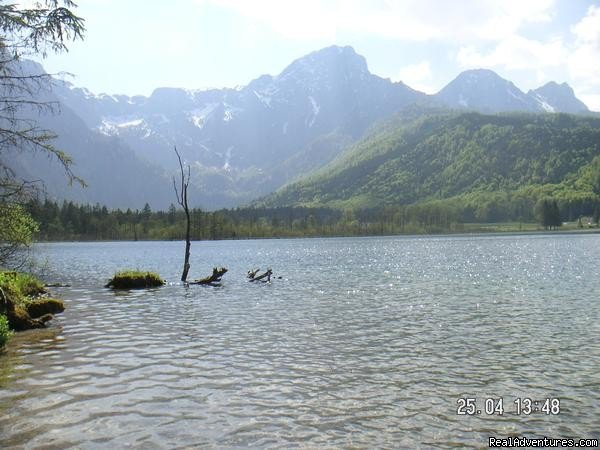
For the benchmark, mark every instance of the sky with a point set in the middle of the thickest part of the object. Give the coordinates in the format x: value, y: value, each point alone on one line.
x: 134, y: 46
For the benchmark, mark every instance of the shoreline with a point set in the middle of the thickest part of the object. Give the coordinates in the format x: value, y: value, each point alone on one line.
x: 474, y: 232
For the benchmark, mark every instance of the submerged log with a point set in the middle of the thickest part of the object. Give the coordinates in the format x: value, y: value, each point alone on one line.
x: 213, y: 279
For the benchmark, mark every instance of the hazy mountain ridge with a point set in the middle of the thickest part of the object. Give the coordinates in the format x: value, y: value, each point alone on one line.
x: 247, y: 142
x: 249, y: 137
x: 485, y: 91
x: 114, y: 175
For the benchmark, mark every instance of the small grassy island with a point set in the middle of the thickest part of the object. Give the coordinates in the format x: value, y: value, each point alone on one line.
x: 24, y: 303
x: 135, y: 279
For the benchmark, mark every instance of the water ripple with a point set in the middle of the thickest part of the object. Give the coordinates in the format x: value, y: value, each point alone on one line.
x: 363, y: 343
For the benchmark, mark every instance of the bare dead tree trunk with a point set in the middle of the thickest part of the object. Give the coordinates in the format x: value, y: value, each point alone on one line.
x: 182, y: 199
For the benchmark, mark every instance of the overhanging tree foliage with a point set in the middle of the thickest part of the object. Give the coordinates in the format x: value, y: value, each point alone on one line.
x: 16, y: 230
x: 26, y: 32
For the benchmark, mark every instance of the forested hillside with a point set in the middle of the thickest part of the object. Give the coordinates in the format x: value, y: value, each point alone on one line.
x: 489, y: 167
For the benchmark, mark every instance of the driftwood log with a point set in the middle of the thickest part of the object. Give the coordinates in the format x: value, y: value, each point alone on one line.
x: 252, y: 275
x: 213, y: 279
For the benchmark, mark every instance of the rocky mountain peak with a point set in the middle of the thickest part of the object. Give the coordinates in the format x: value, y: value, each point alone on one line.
x: 329, y: 63
x: 554, y: 97
x: 484, y: 90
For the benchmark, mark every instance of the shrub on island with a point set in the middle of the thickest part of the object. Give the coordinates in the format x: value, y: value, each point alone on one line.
x: 135, y: 279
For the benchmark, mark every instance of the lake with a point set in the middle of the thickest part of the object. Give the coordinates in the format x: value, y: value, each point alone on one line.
x: 362, y: 343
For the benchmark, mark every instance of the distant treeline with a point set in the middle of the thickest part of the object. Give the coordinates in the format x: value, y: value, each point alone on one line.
x: 69, y: 221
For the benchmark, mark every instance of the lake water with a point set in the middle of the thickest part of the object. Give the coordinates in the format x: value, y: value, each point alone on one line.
x: 363, y: 343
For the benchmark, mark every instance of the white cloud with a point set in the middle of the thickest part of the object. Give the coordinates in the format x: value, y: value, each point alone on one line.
x: 309, y: 19
x: 418, y: 76
x: 592, y: 101
x: 575, y: 56
x: 515, y: 53
x: 414, y: 20
x: 587, y: 29
x: 502, y: 19
x: 583, y: 61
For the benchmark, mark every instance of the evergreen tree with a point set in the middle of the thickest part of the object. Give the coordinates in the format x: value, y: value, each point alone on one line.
x: 555, y: 218
x: 548, y: 213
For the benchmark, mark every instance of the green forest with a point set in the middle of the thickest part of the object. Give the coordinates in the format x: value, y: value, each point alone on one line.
x: 488, y: 168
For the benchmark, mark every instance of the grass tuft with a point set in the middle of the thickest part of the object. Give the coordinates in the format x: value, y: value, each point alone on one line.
x: 5, y: 332
x: 22, y: 286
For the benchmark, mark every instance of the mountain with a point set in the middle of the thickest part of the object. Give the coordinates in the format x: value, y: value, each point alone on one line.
x: 114, y: 174
x: 428, y: 155
x: 246, y: 142
x: 485, y: 91
x: 554, y: 97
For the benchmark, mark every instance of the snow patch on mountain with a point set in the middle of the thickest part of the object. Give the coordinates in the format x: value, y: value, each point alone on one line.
x: 543, y: 103
x: 227, y: 166
x: 230, y: 112
x: 107, y: 96
x: 315, y: 110
x: 87, y: 94
x: 111, y: 126
x: 264, y: 99
x: 200, y: 116
x: 131, y: 123
x: 514, y: 95
x: 107, y: 128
